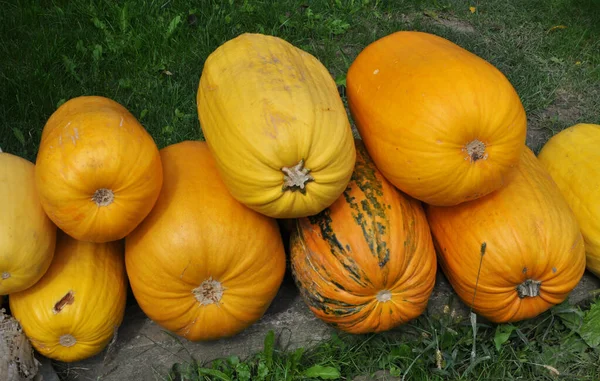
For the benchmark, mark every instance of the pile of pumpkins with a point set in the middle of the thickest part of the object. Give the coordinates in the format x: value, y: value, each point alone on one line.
x: 441, y: 174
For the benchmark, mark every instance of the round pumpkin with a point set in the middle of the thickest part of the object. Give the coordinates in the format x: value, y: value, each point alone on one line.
x: 515, y: 253
x: 276, y: 125
x: 27, y: 235
x: 572, y: 157
x: 366, y: 263
x: 202, y: 265
x: 441, y: 124
x: 98, y: 170
x: 73, y: 312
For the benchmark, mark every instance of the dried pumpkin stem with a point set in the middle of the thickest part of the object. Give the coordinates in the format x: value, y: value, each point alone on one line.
x: 476, y: 150
x: 103, y: 197
x: 209, y: 292
x: 529, y: 288
x: 296, y: 177
x: 384, y: 296
x: 67, y: 340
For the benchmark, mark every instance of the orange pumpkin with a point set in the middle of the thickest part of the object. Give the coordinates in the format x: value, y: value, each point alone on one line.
x: 366, y: 263
x: 441, y: 124
x: 202, y: 265
x: 27, y: 235
x: 73, y: 312
x: 98, y: 170
x: 533, y: 250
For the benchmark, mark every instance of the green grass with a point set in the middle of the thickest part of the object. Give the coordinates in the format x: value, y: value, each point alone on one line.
x: 561, y: 344
x: 148, y: 55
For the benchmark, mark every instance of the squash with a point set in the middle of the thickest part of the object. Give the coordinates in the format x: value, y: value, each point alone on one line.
x: 98, y: 170
x: 441, y: 124
x: 572, y: 157
x: 514, y: 253
x: 27, y: 235
x: 366, y: 263
x: 202, y: 265
x: 276, y: 125
x: 73, y: 312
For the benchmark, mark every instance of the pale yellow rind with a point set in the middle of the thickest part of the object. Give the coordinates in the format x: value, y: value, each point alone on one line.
x: 264, y: 104
x: 572, y: 157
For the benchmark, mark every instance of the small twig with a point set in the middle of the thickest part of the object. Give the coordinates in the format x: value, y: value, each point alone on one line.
x: 473, y: 317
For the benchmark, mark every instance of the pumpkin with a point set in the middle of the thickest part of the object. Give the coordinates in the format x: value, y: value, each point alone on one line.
x: 514, y: 253
x: 202, y: 265
x: 75, y: 309
x: 441, y: 124
x: 27, y: 235
x: 366, y: 263
x: 572, y: 157
x: 276, y: 125
x: 98, y: 170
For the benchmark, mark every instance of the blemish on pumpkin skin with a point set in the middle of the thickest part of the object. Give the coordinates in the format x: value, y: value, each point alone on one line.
x: 5, y: 275
x: 554, y: 269
x: 66, y: 300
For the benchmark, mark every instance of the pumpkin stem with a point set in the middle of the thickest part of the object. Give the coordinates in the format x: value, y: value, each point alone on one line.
x: 5, y: 275
x: 384, y: 296
x: 529, y: 288
x: 67, y: 340
x: 209, y: 292
x: 296, y: 177
x: 103, y: 197
x: 476, y: 150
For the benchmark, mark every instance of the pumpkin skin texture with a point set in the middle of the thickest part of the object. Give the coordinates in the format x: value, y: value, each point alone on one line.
x: 276, y: 125
x: 366, y: 263
x: 202, y: 265
x: 27, y: 235
x: 73, y: 312
x: 441, y: 124
x: 98, y: 170
x: 530, y: 235
x: 572, y: 157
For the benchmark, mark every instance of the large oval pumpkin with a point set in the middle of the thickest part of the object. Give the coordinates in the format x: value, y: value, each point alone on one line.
x: 27, y: 235
x: 572, y: 157
x: 533, y: 250
x: 366, y: 263
x: 203, y: 265
x: 98, y: 170
x: 276, y: 125
x: 442, y: 124
x: 73, y: 312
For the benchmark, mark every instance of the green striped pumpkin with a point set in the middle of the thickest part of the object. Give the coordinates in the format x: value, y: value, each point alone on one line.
x: 366, y: 263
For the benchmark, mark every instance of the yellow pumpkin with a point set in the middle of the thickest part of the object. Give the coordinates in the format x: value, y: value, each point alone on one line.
x: 27, y: 235
x: 572, y: 157
x: 276, y: 125
x: 441, y: 124
x: 202, y: 265
x: 73, y: 311
x: 98, y: 171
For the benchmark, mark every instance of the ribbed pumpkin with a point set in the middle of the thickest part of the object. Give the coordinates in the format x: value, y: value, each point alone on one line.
x: 27, y: 235
x: 533, y: 250
x: 73, y: 312
x: 572, y: 157
x: 441, y: 124
x: 202, y: 265
x: 98, y: 171
x: 276, y: 125
x: 366, y: 263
